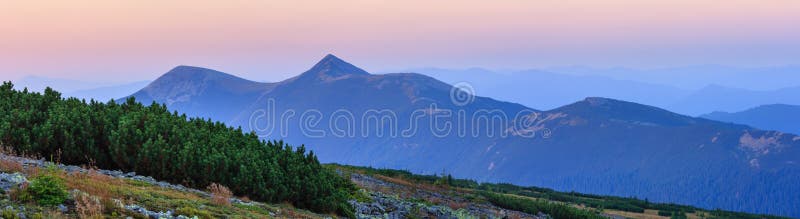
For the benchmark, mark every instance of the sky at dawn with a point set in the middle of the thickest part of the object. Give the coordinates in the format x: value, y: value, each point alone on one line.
x: 269, y: 40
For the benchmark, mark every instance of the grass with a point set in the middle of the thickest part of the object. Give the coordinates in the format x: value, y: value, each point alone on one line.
x: 101, y: 196
x: 470, y: 189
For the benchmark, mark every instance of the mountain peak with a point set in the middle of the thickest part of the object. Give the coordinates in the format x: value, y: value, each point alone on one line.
x: 186, y: 72
x: 332, y: 66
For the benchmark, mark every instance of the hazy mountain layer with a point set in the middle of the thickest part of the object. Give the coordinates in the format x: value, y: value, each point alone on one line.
x: 781, y: 117
x: 596, y: 145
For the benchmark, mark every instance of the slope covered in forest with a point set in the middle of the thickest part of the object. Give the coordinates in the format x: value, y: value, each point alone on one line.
x: 153, y: 141
x: 597, y: 145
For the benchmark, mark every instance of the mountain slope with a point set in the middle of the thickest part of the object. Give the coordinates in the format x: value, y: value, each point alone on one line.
x: 651, y: 153
x: 596, y: 145
x: 202, y: 92
x: 781, y: 117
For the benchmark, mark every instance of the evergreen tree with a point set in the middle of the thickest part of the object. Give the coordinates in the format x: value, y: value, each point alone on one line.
x: 151, y: 140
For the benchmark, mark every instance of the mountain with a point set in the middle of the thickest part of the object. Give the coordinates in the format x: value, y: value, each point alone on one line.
x: 698, y: 76
x: 82, y: 89
x: 607, y: 146
x: 105, y: 93
x: 415, y: 122
x: 779, y: 117
x: 38, y: 84
x: 719, y: 98
x: 202, y: 92
x: 548, y: 90
x: 665, y: 88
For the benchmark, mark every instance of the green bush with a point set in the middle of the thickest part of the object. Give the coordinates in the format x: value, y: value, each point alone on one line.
x: 555, y: 210
x: 190, y: 211
x: 9, y: 214
x: 151, y: 140
x: 48, y: 190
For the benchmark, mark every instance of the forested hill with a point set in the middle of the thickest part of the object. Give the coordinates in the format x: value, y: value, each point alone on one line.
x: 152, y: 141
x: 597, y: 145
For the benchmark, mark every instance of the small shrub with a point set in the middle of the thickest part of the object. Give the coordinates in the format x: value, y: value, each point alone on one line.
x: 9, y: 214
x: 361, y: 196
x: 32, y: 171
x: 191, y: 212
x: 19, y: 194
x: 48, y: 190
x: 220, y: 194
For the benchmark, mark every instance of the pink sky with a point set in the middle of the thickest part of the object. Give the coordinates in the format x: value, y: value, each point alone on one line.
x: 270, y: 40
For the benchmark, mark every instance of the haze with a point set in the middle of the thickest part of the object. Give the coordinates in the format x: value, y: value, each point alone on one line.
x: 268, y: 41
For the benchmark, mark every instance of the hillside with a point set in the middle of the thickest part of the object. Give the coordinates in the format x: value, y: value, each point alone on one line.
x: 202, y: 92
x: 780, y: 117
x: 175, y: 148
x: 597, y: 145
x: 97, y: 193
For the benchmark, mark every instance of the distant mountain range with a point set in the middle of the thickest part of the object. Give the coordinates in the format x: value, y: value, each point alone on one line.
x: 718, y: 98
x: 595, y: 145
x: 550, y: 89
x: 698, y: 76
x: 781, y: 117
x: 82, y: 89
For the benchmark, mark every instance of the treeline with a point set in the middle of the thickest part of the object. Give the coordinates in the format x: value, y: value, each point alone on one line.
x: 169, y: 146
x: 614, y: 202
x: 588, y: 200
x: 530, y: 206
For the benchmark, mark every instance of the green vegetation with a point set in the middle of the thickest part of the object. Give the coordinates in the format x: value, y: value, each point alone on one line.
x: 489, y: 190
x: 530, y: 206
x: 150, y: 140
x: 47, y: 190
x: 95, y: 195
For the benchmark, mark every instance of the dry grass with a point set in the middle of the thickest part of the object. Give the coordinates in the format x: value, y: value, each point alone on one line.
x: 7, y: 164
x: 457, y: 205
x: 32, y: 171
x: 646, y: 215
x: 15, y: 194
x: 10, y: 166
x: 101, y: 194
x: 88, y: 206
x: 220, y: 194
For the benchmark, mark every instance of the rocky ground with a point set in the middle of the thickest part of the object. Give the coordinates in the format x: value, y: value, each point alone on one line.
x: 10, y: 180
x: 398, y: 199
x: 379, y: 197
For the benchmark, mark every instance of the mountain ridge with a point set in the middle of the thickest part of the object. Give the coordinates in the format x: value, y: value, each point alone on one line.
x: 781, y: 117
x: 597, y: 145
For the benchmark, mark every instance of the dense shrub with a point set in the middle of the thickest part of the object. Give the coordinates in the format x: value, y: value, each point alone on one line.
x: 151, y: 140
x: 530, y: 206
x: 47, y: 190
